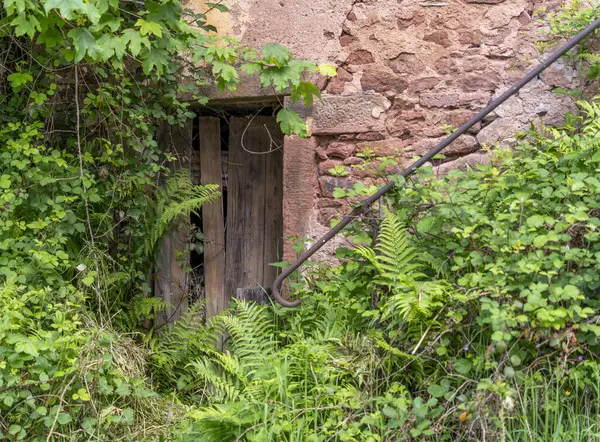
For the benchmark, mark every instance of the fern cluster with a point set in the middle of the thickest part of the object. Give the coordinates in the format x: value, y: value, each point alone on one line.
x: 276, y: 381
x: 399, y: 266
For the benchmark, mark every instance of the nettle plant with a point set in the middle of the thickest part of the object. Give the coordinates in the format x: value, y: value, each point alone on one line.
x: 84, y: 87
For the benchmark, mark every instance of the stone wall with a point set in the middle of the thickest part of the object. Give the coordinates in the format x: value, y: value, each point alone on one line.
x: 405, y: 69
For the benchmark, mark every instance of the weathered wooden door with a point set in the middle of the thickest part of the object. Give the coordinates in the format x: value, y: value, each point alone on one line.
x: 252, y: 216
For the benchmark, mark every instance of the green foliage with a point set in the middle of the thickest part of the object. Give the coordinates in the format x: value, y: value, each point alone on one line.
x: 86, y: 193
x: 412, y: 294
x: 179, y: 197
x: 296, y: 382
x: 472, y: 315
x: 522, y: 228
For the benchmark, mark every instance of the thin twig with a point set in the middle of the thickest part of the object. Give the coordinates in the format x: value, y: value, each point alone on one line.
x: 26, y: 385
x: 61, y: 400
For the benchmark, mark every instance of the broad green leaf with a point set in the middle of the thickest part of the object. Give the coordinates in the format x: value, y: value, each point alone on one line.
x: 535, y: 221
x: 111, y: 45
x: 123, y: 389
x: 157, y: 58
x: 91, y: 12
x: 276, y: 54
x: 540, y: 240
x: 307, y: 91
x: 50, y: 37
x: 291, y: 123
x: 338, y: 193
x: 66, y: 8
x: 424, y: 225
x: 135, y: 41
x: 18, y: 79
x: 109, y: 21
x: 27, y: 346
x: 13, y: 6
x: 278, y: 77
x: 463, y: 366
x: 390, y: 412
x: 64, y: 418
x: 5, y: 181
x: 84, y: 43
x: 251, y: 68
x: 26, y: 25
x: 436, y: 390
x: 14, y: 429
x: 227, y: 76
x: 149, y: 27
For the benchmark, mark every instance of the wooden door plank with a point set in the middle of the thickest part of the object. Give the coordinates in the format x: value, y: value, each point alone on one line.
x: 213, y: 223
x: 273, y: 244
x: 172, y: 280
x: 246, y: 205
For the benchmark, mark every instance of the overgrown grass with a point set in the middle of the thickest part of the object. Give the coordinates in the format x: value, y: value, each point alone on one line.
x: 555, y: 405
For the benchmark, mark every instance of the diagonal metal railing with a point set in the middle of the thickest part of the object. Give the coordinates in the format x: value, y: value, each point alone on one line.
x: 274, y: 290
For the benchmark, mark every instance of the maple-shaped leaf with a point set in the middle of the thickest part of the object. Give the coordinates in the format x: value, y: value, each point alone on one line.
x: 169, y: 12
x: 307, y: 91
x: 149, y: 27
x: 101, y: 5
x: 327, y: 70
x: 135, y: 41
x: 227, y: 76
x: 107, y: 20
x: 251, y: 68
x: 291, y: 123
x: 156, y: 58
x: 66, y: 8
x: 111, y: 45
x: 25, y: 25
x: 84, y: 43
x: 279, y: 77
x: 276, y: 54
x: 13, y: 6
x: 50, y: 37
x: 92, y: 13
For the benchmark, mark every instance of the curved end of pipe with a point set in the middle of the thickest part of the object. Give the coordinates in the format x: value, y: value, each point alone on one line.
x: 274, y: 292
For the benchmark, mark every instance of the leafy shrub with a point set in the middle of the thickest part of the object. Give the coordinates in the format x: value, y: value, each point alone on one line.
x: 86, y: 192
x: 523, y: 230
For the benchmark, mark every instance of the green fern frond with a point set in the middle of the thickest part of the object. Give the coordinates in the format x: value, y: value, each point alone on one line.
x: 396, y: 255
x: 400, y: 269
x: 222, y: 388
x: 178, y: 197
x: 219, y: 423
x: 251, y: 333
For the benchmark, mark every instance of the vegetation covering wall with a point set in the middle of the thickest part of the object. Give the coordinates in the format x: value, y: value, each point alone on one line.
x: 473, y: 316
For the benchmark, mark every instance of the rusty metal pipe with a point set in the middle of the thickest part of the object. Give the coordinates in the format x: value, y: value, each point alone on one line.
x: 274, y: 290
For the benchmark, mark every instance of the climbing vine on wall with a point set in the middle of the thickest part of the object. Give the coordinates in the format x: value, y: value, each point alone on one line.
x: 84, y: 87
